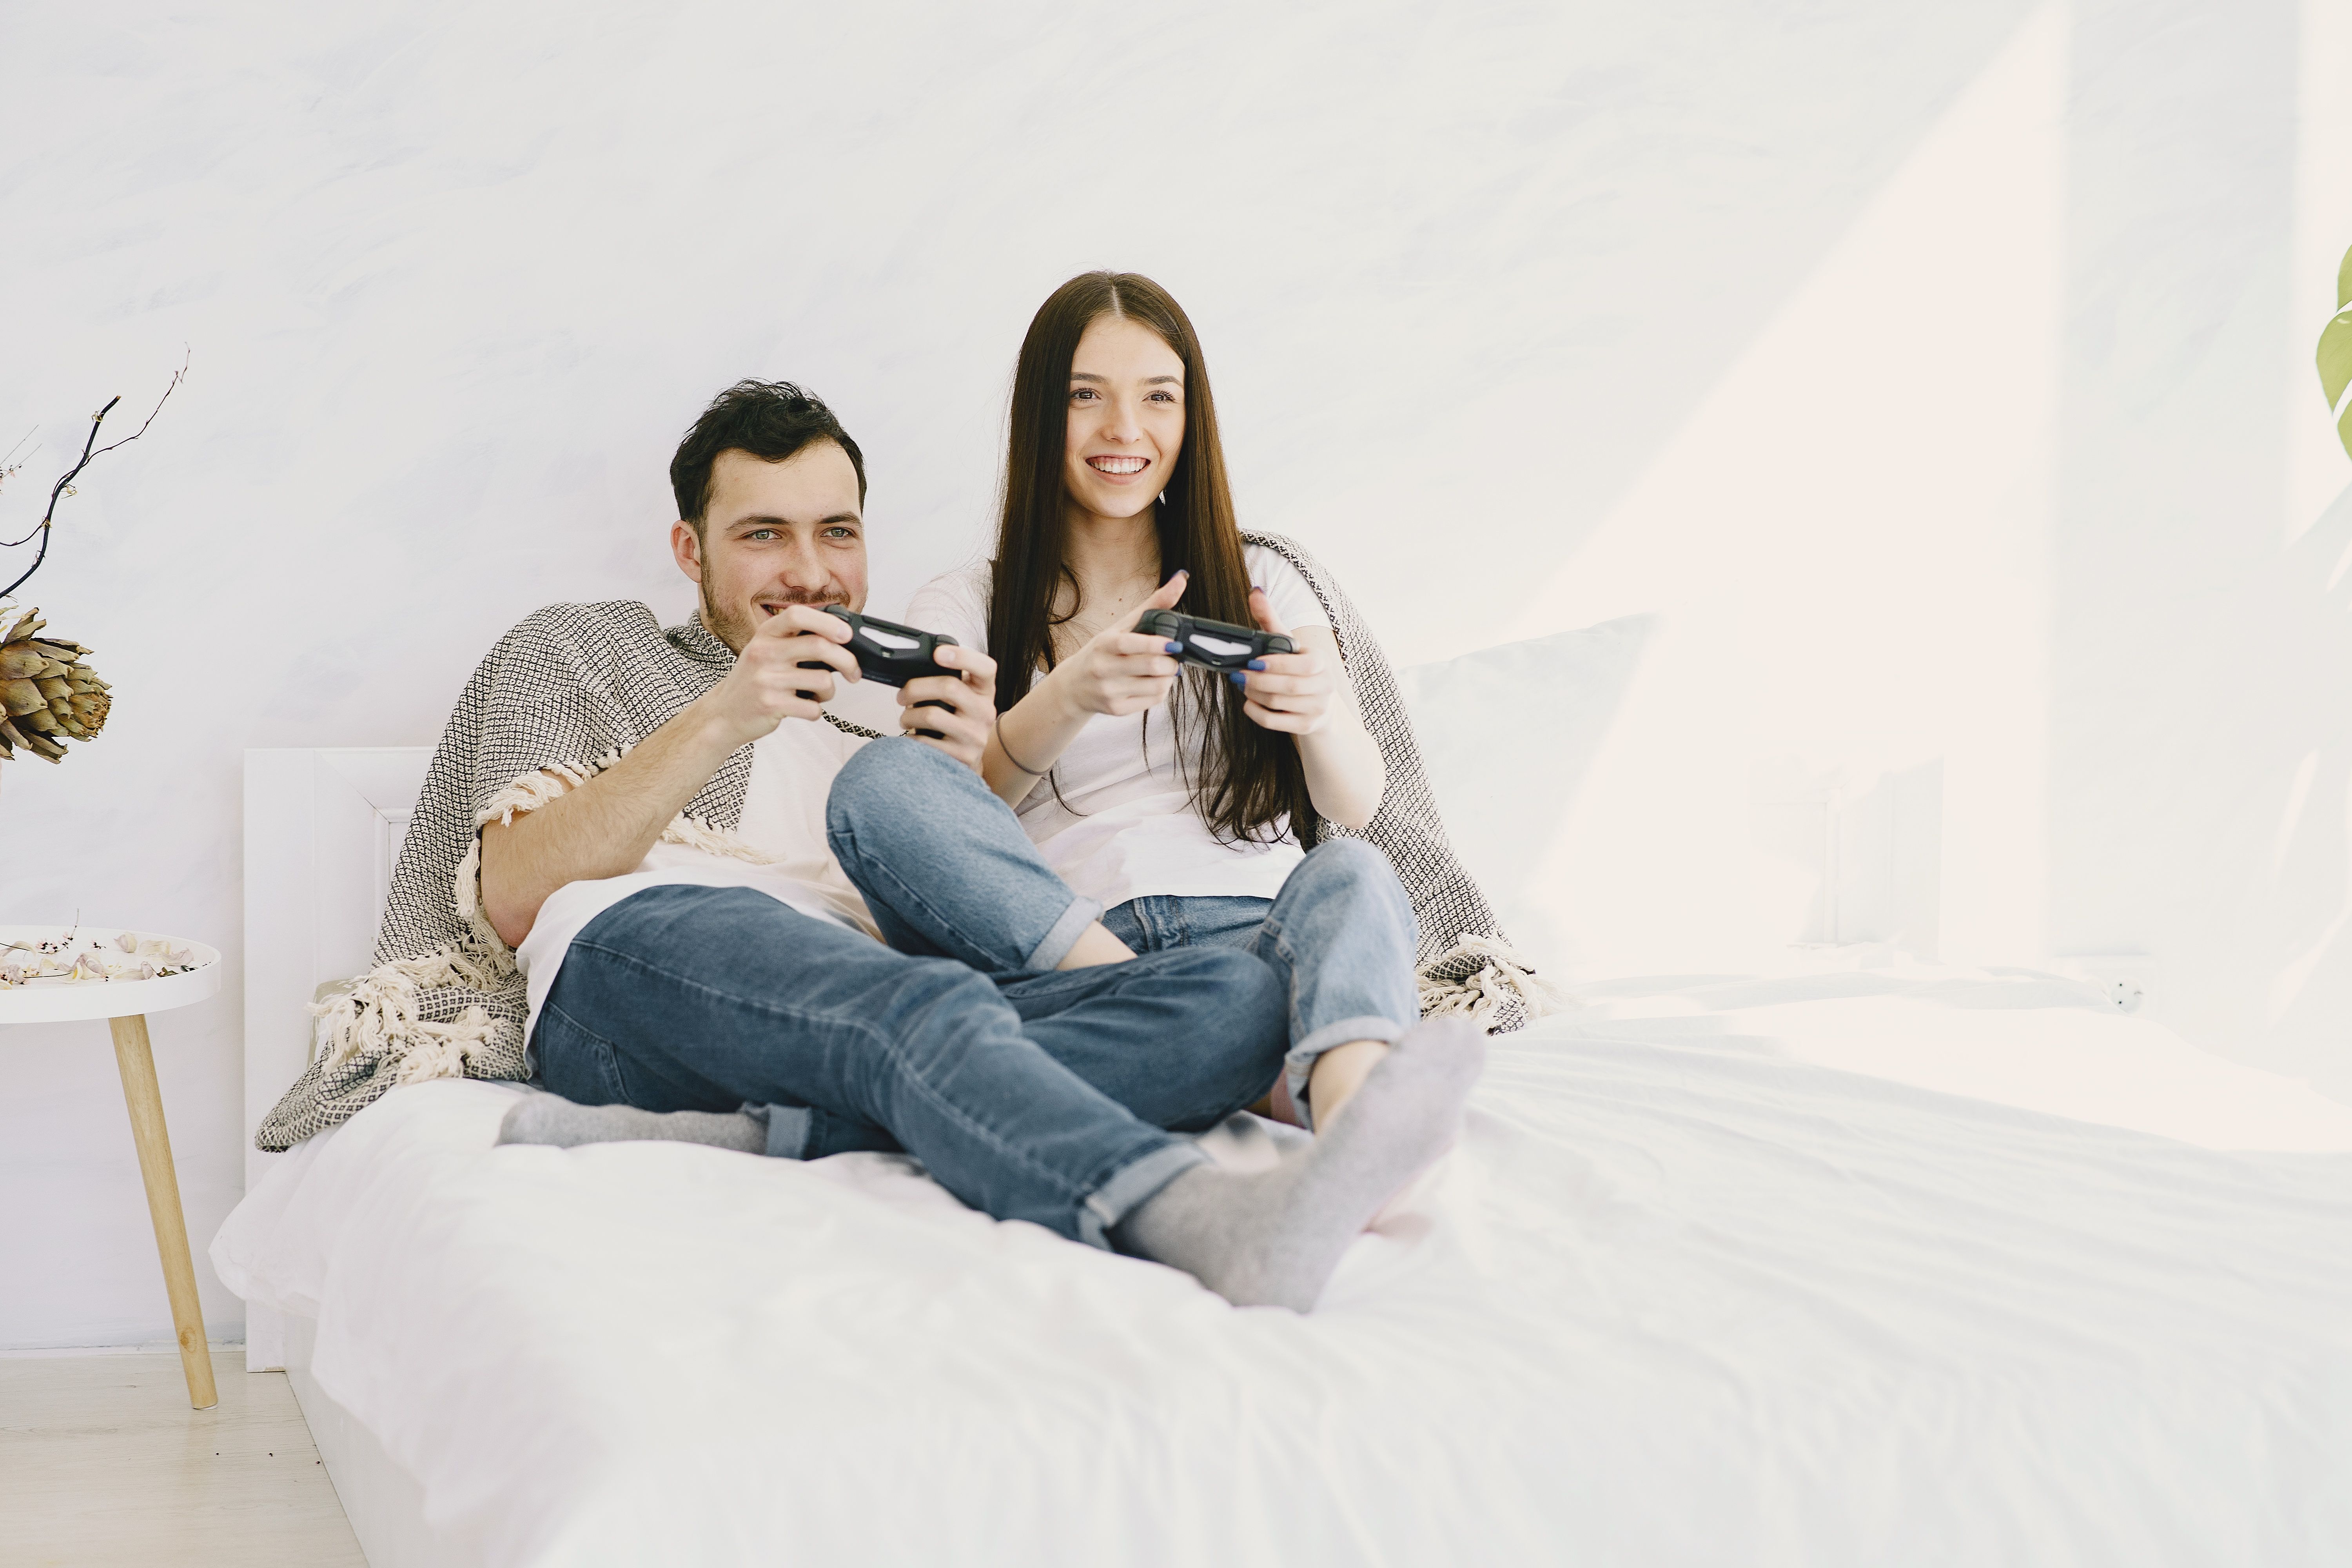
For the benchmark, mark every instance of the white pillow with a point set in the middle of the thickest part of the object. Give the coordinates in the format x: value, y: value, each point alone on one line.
x: 1508, y: 735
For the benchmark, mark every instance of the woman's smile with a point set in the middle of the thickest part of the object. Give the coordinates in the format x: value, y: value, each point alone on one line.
x: 1123, y: 425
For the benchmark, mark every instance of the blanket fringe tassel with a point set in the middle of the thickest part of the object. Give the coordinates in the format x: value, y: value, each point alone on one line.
x: 378, y: 1015
x: 1478, y: 976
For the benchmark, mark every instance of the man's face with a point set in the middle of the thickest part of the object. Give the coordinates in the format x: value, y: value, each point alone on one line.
x: 775, y: 535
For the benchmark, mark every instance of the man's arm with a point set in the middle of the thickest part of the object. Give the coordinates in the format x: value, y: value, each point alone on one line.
x: 603, y: 827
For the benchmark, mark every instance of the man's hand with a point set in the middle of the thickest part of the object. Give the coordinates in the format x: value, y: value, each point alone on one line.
x: 960, y: 725
x: 603, y: 827
x: 768, y: 684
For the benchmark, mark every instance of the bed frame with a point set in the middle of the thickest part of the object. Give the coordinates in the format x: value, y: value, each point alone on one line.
x: 322, y: 830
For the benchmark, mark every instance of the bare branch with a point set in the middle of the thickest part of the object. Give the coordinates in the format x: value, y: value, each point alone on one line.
x: 176, y: 377
x: 89, y: 449
x: 8, y: 469
x: 63, y: 486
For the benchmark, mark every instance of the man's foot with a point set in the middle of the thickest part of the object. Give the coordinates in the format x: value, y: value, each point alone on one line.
x: 552, y: 1119
x: 1271, y: 1238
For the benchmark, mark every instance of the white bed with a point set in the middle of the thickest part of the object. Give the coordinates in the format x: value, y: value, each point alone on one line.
x: 1724, y: 1271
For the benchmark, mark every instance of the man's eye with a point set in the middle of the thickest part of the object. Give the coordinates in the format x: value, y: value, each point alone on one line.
x: 838, y: 532
x: 762, y: 533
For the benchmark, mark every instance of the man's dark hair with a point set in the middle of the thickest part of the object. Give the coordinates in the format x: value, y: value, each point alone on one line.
x: 770, y: 419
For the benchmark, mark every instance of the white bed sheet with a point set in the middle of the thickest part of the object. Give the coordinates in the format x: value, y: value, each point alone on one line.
x: 1682, y: 1296
x: 2017, y: 1037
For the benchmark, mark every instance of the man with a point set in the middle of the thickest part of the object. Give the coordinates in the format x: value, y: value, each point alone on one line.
x: 699, y: 967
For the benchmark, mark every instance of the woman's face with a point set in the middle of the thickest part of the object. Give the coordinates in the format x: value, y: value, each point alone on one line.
x: 1126, y: 417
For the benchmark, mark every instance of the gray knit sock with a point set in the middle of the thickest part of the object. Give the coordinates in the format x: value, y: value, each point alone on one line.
x: 552, y: 1119
x: 1271, y: 1238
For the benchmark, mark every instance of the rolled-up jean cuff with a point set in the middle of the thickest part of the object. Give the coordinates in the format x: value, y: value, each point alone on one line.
x: 1300, y: 1063
x: 788, y: 1129
x: 1049, y: 953
x: 1131, y: 1186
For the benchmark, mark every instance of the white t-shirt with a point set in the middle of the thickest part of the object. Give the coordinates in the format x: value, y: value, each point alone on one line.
x: 783, y: 818
x: 1123, y: 825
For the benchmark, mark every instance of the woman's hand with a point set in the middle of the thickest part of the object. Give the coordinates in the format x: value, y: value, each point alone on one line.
x: 1120, y: 670
x: 1303, y: 695
x: 954, y: 713
x: 1291, y: 693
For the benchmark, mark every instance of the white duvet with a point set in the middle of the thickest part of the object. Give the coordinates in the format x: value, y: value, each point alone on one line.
x: 1684, y: 1295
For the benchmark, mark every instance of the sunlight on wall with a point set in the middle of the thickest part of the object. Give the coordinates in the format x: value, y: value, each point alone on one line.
x: 1846, y: 539
x: 2296, y: 974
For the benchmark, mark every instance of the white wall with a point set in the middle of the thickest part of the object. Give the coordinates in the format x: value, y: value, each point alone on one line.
x: 1521, y: 316
x: 2201, y: 660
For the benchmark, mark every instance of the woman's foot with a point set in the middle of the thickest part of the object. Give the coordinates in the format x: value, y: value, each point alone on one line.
x: 1096, y: 946
x: 1336, y: 1077
x: 1272, y: 1237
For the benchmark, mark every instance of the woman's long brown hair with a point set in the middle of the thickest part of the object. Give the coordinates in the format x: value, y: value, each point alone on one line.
x: 1246, y: 779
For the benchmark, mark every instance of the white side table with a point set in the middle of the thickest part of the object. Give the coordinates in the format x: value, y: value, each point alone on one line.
x: 125, y: 1005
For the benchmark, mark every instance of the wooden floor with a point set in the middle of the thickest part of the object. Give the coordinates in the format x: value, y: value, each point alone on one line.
x: 103, y: 1462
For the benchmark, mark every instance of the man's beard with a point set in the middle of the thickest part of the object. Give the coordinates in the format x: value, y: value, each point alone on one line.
x: 735, y: 630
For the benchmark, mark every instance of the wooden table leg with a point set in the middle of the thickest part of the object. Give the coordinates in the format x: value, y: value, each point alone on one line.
x: 137, y: 1061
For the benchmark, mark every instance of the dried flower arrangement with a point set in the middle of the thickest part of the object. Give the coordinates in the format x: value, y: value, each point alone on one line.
x: 60, y: 961
x: 48, y: 695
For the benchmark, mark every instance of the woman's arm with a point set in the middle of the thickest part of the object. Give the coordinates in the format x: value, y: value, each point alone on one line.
x: 1038, y: 729
x: 1306, y: 695
x: 1119, y: 671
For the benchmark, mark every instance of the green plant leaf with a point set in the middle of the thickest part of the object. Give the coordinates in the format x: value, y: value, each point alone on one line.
x: 2344, y: 429
x: 2343, y: 282
x: 2336, y: 356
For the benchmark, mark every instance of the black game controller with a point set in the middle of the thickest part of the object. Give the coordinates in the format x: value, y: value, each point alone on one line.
x: 1219, y: 645
x: 891, y: 653
x: 888, y: 652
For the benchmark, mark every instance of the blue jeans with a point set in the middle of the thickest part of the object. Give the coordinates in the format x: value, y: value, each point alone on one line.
x: 1024, y: 1101
x: 947, y: 870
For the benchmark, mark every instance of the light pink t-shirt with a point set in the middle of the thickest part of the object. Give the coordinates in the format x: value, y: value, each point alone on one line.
x: 1122, y: 826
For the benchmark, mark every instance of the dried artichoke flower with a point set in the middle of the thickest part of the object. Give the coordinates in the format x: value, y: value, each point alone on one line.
x: 47, y: 695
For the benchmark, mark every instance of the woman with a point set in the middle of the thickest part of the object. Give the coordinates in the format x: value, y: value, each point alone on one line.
x: 1174, y: 799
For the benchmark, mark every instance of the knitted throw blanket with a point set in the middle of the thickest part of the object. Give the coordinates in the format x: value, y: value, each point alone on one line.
x: 568, y: 691
x: 1466, y: 965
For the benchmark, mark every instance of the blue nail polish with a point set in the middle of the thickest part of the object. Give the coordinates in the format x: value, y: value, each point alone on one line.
x: 1237, y: 677
x: 1175, y: 648
x: 1257, y: 664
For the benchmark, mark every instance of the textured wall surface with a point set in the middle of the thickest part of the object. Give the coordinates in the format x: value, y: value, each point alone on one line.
x: 1927, y: 367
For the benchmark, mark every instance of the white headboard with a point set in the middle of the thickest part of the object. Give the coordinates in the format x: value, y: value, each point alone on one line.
x: 322, y: 830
